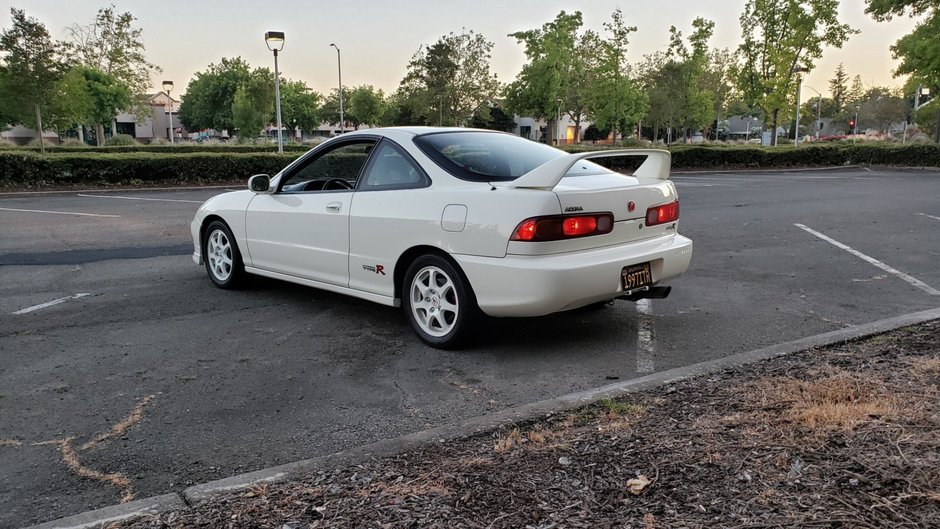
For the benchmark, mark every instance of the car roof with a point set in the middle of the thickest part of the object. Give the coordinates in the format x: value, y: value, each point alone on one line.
x: 416, y: 130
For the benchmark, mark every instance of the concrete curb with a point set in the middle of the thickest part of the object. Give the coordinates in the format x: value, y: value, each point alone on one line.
x: 477, y: 425
x: 115, y: 513
x: 827, y: 168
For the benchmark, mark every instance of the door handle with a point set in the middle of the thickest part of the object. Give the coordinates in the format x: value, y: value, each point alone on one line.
x: 334, y: 207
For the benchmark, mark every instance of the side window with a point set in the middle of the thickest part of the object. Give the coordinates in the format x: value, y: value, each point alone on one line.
x: 334, y: 170
x: 391, y: 170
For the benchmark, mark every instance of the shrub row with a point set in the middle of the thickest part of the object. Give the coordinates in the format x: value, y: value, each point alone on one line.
x: 23, y: 168
x: 163, y: 149
x: 708, y: 157
x: 30, y: 169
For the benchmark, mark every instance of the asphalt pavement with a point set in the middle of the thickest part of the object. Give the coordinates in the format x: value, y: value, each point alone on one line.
x: 105, y: 320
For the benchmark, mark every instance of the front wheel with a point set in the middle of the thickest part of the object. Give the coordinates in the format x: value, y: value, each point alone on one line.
x: 439, y: 302
x: 223, y: 261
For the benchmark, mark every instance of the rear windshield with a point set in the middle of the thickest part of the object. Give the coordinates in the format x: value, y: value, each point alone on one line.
x: 485, y: 156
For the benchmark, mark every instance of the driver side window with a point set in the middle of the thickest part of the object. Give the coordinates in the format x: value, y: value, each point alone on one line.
x: 336, y: 169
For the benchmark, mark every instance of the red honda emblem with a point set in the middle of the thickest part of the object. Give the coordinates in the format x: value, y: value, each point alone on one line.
x: 631, y: 206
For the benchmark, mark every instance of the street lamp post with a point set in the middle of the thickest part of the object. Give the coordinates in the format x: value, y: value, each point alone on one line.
x: 855, y: 133
x: 558, y: 121
x: 818, y: 111
x: 275, y: 43
x: 339, y: 69
x: 799, y: 70
x: 920, y: 91
x: 168, y: 87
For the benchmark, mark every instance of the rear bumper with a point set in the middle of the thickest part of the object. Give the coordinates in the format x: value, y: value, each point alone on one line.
x: 524, y: 285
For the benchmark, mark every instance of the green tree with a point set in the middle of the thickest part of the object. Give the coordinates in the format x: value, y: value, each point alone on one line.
x: 541, y: 87
x: 880, y: 107
x: 113, y: 45
x: 329, y: 110
x: 32, y: 65
x: 450, y: 79
x: 839, y: 88
x: 918, y: 51
x: 779, y: 36
x: 366, y: 105
x: 71, y: 104
x: 299, y: 106
x: 493, y: 117
x: 253, y: 104
x: 210, y: 95
x: 615, y: 101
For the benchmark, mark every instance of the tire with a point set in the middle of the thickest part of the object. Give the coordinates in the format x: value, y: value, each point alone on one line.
x: 439, y: 302
x: 221, y: 256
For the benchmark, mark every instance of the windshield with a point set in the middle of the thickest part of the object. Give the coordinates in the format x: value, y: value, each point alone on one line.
x: 485, y: 156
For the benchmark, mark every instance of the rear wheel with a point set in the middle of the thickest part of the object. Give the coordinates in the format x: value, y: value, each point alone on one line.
x: 221, y: 256
x: 439, y: 302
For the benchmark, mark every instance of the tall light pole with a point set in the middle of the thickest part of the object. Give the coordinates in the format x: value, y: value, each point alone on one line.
x: 339, y: 69
x: 855, y: 134
x: 168, y: 87
x: 275, y: 42
x: 920, y: 91
x: 558, y: 121
x: 818, y: 110
x: 799, y: 70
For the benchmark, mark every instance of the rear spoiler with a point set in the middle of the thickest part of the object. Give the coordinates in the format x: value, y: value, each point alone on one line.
x: 547, y: 175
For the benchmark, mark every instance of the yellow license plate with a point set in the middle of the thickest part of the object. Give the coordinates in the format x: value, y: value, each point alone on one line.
x: 636, y: 276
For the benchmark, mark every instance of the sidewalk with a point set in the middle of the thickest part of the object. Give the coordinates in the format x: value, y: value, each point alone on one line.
x: 845, y: 436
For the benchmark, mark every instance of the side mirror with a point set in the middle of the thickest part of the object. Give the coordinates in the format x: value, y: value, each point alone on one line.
x: 260, y: 183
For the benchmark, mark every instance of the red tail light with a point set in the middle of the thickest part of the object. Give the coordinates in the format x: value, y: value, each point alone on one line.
x: 662, y: 214
x: 539, y: 229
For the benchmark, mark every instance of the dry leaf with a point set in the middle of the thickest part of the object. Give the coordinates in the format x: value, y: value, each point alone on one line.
x: 637, y: 484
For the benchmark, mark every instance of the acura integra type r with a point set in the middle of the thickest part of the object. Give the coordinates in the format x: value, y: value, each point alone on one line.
x: 451, y: 224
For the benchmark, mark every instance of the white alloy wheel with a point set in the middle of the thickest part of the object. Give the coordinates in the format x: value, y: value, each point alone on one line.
x: 439, y: 303
x: 434, y: 302
x: 219, y: 254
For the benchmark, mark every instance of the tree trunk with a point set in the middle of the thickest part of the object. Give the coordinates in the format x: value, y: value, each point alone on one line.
x: 42, y: 145
x: 577, y: 129
x: 773, y: 130
x: 81, y: 133
x: 655, y: 132
x: 99, y: 134
x: 936, y: 134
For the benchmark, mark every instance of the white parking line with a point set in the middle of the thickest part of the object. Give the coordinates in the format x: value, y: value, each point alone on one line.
x: 644, y: 337
x: 141, y: 198
x: 51, y: 303
x: 928, y: 216
x: 60, y: 213
x: 912, y: 280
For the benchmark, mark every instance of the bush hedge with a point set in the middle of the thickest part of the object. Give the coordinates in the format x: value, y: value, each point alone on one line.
x: 738, y: 157
x: 23, y: 168
x: 178, y: 148
x: 31, y: 169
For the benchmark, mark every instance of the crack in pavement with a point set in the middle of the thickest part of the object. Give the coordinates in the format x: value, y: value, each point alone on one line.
x: 70, y: 454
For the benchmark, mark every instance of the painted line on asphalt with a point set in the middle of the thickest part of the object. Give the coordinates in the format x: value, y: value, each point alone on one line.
x: 645, y: 347
x: 148, y: 199
x: 61, y: 213
x: 928, y: 216
x: 473, y: 426
x: 912, y: 280
x: 48, y: 304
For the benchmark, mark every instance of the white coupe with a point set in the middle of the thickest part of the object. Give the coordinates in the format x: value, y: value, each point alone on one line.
x: 451, y: 224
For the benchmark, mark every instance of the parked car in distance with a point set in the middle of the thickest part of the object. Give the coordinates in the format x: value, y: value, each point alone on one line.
x: 452, y: 224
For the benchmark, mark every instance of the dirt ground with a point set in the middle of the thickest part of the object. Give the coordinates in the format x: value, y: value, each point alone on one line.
x: 841, y: 437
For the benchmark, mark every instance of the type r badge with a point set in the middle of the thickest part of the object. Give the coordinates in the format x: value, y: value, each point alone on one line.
x: 378, y: 269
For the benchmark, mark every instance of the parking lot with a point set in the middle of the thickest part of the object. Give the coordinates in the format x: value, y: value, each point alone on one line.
x: 119, y: 357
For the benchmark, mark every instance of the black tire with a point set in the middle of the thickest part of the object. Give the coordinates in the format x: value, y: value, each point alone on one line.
x: 221, y: 256
x: 439, y: 303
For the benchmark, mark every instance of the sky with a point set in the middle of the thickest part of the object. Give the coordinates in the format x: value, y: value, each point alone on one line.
x: 377, y: 38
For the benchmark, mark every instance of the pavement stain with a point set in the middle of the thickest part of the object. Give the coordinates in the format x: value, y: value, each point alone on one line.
x: 70, y: 454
